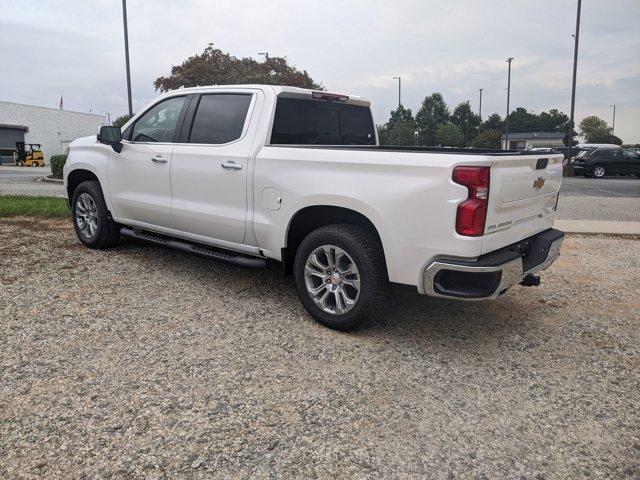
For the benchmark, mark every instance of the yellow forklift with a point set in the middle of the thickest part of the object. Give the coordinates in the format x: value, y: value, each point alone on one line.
x: 28, y: 154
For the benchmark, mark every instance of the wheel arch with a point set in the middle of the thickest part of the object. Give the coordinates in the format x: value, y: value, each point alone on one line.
x: 309, y: 218
x: 76, y: 177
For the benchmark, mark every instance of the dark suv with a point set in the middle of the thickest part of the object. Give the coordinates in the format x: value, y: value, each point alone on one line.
x: 600, y: 162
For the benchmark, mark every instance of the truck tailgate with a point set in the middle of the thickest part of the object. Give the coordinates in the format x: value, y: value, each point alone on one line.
x: 522, y: 198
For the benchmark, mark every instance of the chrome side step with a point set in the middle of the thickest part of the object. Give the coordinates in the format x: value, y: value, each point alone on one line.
x: 196, y: 249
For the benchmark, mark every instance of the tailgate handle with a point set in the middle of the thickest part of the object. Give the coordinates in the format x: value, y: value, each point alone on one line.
x: 542, y: 163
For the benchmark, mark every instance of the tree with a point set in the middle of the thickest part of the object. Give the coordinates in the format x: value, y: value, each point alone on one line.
x: 522, y: 121
x: 552, y: 121
x: 121, y: 120
x: 400, y: 128
x: 489, y: 138
x: 494, y: 122
x: 449, y: 135
x: 595, y: 130
x: 433, y: 113
x: 463, y: 114
x: 214, y: 67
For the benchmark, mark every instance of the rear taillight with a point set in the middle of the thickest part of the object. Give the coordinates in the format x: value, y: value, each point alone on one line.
x: 472, y: 213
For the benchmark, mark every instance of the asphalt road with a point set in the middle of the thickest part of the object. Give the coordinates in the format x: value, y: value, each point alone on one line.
x: 22, y: 181
x: 601, y: 187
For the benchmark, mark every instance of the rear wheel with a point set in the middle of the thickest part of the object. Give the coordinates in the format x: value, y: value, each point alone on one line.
x: 599, y: 171
x: 341, y: 276
x: 91, y: 219
x: 34, y: 164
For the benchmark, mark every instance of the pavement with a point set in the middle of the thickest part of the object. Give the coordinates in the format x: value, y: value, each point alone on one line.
x: 626, y: 187
x: 23, y: 181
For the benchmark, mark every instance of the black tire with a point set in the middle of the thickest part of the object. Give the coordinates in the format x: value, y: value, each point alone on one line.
x: 366, y: 251
x: 107, y: 233
x: 599, y: 171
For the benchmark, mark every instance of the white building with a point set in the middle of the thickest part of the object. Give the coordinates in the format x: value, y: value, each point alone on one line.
x: 523, y: 141
x: 54, y: 129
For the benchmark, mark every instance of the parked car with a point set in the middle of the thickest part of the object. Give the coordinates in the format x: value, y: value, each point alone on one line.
x: 243, y: 174
x: 600, y: 162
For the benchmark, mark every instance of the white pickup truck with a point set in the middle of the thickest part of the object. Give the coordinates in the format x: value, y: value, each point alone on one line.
x: 247, y: 173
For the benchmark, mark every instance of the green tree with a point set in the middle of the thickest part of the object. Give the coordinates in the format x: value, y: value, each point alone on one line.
x: 463, y: 114
x: 494, y: 122
x: 551, y: 121
x: 400, y: 128
x: 522, y: 121
x: 433, y: 113
x: 121, y: 120
x: 214, y: 67
x: 449, y: 135
x: 488, y: 139
x: 595, y: 130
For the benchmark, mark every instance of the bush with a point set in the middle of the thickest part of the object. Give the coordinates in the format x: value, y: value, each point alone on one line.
x: 57, y: 162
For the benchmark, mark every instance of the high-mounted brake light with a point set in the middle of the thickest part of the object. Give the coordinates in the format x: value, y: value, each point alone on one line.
x: 472, y: 213
x: 330, y: 97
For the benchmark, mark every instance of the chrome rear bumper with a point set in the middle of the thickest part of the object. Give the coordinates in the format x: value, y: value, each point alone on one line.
x: 491, y: 275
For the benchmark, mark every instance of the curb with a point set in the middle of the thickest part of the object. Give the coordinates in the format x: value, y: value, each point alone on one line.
x: 596, y: 227
x: 58, y: 181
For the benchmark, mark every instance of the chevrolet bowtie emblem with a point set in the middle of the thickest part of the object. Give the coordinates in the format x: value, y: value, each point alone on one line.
x: 538, y: 183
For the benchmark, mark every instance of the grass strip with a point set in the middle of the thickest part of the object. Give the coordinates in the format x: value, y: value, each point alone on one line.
x: 30, y: 205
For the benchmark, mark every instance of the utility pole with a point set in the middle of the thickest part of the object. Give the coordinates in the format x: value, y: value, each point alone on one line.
x: 506, y: 119
x: 613, y: 127
x: 466, y: 135
x: 480, y: 108
x: 108, y: 118
x: 399, y: 90
x: 126, y: 53
x: 576, y: 38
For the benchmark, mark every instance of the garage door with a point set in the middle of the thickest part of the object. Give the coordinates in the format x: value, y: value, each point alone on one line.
x: 9, y: 135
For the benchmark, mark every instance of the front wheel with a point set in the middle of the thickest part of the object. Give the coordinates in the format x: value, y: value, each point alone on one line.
x: 341, y: 276
x: 91, y: 219
x: 599, y: 171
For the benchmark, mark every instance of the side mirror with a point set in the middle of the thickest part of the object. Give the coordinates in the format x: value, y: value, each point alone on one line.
x: 111, y: 136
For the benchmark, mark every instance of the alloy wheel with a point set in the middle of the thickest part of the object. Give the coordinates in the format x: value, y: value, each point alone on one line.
x: 332, y: 279
x: 86, y: 215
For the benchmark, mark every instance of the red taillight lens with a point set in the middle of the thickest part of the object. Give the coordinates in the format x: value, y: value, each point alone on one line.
x: 472, y: 213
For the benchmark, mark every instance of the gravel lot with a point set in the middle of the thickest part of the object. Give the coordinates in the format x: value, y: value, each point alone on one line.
x: 140, y: 362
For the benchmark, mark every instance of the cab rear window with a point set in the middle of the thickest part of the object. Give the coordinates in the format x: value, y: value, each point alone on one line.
x: 318, y: 122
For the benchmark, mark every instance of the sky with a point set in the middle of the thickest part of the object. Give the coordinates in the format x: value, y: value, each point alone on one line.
x: 455, y: 47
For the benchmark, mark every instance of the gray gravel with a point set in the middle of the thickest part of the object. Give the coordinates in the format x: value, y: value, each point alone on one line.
x: 140, y: 362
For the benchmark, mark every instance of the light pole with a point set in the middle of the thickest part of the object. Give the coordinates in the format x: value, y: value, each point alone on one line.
x: 266, y: 55
x: 613, y: 126
x: 576, y: 38
x: 480, y: 107
x: 126, y: 53
x: 506, y: 119
x: 108, y: 118
x: 399, y: 90
x: 466, y: 135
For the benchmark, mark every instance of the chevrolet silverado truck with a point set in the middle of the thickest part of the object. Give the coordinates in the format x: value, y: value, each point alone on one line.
x: 247, y: 173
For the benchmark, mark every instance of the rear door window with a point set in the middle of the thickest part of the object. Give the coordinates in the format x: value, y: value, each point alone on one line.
x: 220, y: 118
x: 318, y: 122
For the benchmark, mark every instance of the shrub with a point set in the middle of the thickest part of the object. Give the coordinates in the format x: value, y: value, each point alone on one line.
x: 57, y: 162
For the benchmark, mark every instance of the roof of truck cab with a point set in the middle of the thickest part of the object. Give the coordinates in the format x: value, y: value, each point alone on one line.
x: 277, y: 89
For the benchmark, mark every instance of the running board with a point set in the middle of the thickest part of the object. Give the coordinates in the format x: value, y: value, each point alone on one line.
x: 196, y: 249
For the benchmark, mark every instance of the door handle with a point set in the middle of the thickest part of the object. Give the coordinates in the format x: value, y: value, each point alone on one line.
x: 158, y: 159
x: 231, y: 165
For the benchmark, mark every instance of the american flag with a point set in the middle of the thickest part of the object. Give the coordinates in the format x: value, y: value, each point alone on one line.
x: 61, y: 103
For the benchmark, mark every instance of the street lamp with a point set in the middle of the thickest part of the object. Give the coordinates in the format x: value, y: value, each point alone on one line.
x: 575, y: 68
x: 399, y: 90
x: 506, y: 120
x: 613, y: 127
x: 466, y: 135
x: 266, y: 55
x: 126, y: 53
x: 480, y: 107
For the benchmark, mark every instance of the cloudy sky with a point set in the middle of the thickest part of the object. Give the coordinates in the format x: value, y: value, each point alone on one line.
x: 75, y: 48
